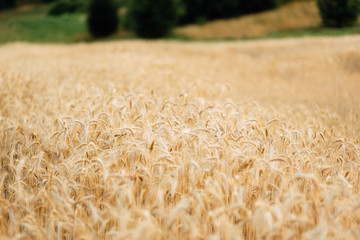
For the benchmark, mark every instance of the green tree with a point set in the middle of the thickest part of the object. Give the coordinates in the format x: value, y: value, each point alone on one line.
x: 152, y: 18
x: 338, y: 13
x: 102, y: 18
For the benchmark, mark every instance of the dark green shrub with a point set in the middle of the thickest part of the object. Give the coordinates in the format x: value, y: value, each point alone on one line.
x: 215, y: 9
x: 67, y: 6
x: 338, y: 13
x: 196, y: 10
x: 252, y: 6
x: 222, y: 9
x: 120, y: 3
x: 102, y: 18
x: 152, y: 18
x: 4, y: 4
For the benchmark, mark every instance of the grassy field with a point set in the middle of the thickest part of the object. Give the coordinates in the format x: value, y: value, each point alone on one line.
x: 171, y: 140
x: 30, y: 23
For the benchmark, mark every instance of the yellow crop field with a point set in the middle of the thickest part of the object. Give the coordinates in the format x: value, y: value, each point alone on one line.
x: 173, y: 140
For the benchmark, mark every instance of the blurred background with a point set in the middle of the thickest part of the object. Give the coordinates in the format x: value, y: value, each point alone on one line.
x: 91, y: 20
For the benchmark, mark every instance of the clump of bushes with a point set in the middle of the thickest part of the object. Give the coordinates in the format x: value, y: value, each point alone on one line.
x: 215, y: 9
x: 4, y: 4
x: 258, y: 5
x: 102, y: 18
x: 338, y: 13
x: 156, y: 18
x: 67, y: 6
x: 199, y: 10
x: 152, y: 18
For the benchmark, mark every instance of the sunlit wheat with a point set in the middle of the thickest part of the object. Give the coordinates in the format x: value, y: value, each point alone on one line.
x: 166, y: 140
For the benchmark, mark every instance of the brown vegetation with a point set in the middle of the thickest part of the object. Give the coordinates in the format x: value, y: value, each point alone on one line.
x: 167, y: 140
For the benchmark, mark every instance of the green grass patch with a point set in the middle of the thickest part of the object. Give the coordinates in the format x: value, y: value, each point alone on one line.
x: 37, y: 26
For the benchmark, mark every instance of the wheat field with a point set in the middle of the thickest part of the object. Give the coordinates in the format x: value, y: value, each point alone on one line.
x: 172, y: 140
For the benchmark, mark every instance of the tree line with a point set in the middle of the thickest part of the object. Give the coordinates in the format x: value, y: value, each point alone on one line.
x: 156, y: 18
